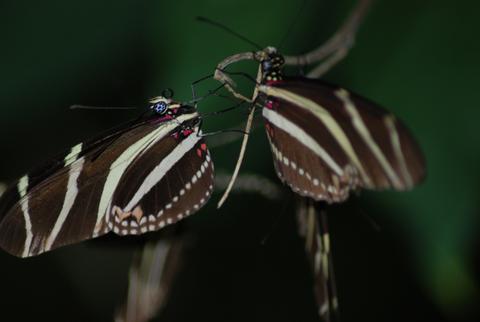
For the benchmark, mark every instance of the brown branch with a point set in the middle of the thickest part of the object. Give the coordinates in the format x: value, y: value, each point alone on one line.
x: 227, y: 80
x: 248, y: 127
x: 150, y: 280
x: 338, y: 45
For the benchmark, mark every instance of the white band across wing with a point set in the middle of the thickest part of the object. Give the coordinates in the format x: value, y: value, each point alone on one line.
x: 302, y: 137
x: 364, y: 133
x: 162, y: 168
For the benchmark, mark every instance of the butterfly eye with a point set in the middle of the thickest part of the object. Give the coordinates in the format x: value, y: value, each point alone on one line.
x: 266, y: 65
x: 160, y: 107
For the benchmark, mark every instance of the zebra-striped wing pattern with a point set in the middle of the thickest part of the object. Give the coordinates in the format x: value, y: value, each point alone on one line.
x: 138, y: 179
x: 155, y: 194
x: 327, y: 141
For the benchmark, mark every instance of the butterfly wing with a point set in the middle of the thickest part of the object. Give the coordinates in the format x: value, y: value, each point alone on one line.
x: 68, y: 203
x: 155, y: 194
x: 327, y: 141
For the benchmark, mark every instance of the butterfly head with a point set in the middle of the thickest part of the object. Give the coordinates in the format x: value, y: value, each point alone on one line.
x: 166, y: 110
x: 162, y: 105
x: 272, y: 64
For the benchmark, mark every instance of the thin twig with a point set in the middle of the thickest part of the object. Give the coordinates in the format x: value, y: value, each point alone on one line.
x: 219, y: 71
x: 240, y: 157
x: 326, y: 65
x: 342, y: 40
x: 250, y: 183
x: 150, y: 280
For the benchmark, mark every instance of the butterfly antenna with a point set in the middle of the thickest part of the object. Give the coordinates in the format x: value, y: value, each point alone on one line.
x: 211, y: 92
x: 292, y: 24
x: 86, y: 107
x: 248, y: 127
x: 228, y: 30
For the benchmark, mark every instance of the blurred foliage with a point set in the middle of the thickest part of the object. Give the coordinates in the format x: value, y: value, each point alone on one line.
x: 418, y: 58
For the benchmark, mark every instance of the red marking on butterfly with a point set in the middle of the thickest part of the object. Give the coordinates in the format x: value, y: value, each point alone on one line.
x: 273, y: 82
x: 199, y: 153
x: 271, y: 105
x: 203, y: 146
x: 163, y: 119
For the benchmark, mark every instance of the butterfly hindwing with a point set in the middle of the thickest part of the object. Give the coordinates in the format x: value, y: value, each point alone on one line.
x: 303, y: 170
x: 156, y: 194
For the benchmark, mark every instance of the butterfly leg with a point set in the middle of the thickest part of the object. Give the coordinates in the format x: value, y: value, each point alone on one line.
x: 200, y: 125
x: 214, y: 92
x: 193, y: 84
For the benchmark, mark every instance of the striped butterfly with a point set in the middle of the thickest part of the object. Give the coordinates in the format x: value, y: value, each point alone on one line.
x: 136, y: 178
x: 327, y: 141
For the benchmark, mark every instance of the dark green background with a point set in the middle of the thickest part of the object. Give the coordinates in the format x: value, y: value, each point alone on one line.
x: 417, y: 58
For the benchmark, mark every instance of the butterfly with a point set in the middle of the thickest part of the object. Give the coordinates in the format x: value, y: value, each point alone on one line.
x: 327, y: 141
x: 137, y: 178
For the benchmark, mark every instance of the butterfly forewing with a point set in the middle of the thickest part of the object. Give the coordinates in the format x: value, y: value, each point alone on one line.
x: 327, y: 141
x: 56, y: 165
